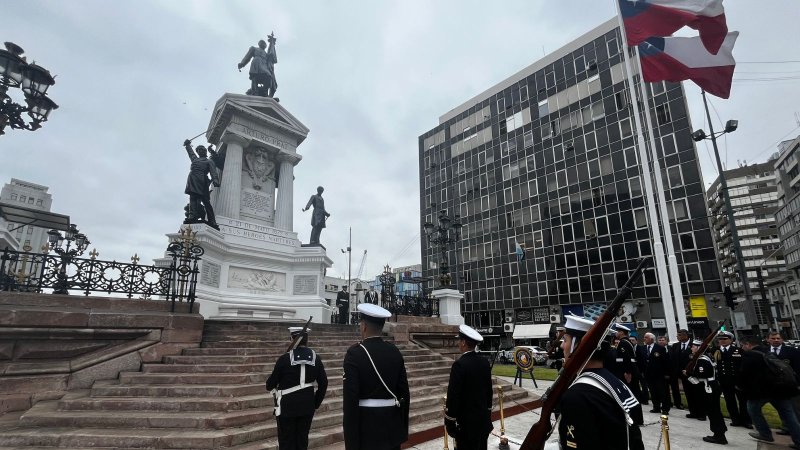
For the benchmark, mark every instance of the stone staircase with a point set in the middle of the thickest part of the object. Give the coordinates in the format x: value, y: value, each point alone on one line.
x: 214, y: 396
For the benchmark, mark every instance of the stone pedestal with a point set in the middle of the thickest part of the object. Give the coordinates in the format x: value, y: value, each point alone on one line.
x: 254, y: 267
x: 449, y: 306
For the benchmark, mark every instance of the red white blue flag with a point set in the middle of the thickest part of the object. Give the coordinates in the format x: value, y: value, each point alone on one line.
x: 659, y: 18
x: 681, y: 58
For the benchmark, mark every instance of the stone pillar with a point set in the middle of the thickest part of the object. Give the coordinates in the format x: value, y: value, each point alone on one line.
x: 229, y: 198
x: 449, y: 306
x: 284, y: 207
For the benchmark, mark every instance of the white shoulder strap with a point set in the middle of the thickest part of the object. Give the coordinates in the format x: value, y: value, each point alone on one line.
x: 396, y: 402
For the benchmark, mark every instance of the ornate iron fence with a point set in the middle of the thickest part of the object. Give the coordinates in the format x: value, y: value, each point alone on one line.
x: 37, y: 272
x: 412, y: 305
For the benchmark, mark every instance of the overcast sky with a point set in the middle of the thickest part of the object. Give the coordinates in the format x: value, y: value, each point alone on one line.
x: 135, y: 78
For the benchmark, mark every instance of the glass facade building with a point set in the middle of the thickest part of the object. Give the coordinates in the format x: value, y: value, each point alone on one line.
x: 547, y: 159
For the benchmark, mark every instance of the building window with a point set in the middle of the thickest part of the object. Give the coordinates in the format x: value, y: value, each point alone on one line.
x: 555, y: 127
x: 663, y: 115
x: 580, y: 64
x: 635, y: 184
x: 675, y: 176
x: 630, y: 157
x: 22, y: 198
x: 692, y: 272
x: 550, y: 79
x: 658, y: 88
x: 640, y: 218
x: 543, y: 108
x: 613, y: 47
x: 606, y: 165
x: 668, y: 144
x: 679, y: 210
x: 621, y: 100
x: 523, y: 93
x: 501, y: 105
x: 687, y: 241
x: 527, y: 140
x: 598, y: 197
x: 625, y: 129
x: 601, y: 225
x: 13, y: 196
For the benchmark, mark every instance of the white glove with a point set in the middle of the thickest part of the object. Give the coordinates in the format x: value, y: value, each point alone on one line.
x: 694, y: 380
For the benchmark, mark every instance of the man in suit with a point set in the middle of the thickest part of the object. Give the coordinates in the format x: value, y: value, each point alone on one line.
x: 293, y: 379
x: 656, y: 371
x: 790, y: 355
x: 469, y: 395
x: 343, y: 303
x: 375, y: 388
x: 680, y: 352
x: 728, y: 358
x: 639, y: 351
x: 371, y: 296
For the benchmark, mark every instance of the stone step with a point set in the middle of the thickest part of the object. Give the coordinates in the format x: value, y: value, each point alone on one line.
x: 260, y: 351
x: 112, y: 388
x: 332, y: 368
x: 327, y: 358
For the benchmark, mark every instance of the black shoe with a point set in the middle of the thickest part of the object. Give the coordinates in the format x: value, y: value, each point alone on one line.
x: 716, y: 439
x: 758, y: 436
x: 678, y: 406
x: 782, y: 432
x: 655, y: 411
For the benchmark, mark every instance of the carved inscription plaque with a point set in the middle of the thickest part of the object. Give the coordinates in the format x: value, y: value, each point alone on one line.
x: 256, y: 280
x: 305, y: 285
x: 257, y: 204
x: 209, y: 274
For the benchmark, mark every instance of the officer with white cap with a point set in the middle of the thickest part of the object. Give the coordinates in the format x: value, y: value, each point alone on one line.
x: 469, y: 395
x: 293, y: 380
x: 728, y: 358
x: 376, y: 394
x: 596, y: 409
x: 707, y: 392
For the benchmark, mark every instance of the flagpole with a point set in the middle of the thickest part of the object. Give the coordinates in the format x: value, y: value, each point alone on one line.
x: 658, y: 248
x: 662, y: 203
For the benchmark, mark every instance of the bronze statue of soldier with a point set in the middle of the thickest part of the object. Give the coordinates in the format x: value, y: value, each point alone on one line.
x: 198, y: 184
x: 318, y: 216
x: 262, y: 69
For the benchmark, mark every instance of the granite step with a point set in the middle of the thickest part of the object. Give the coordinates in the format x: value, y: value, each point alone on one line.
x: 260, y: 351
x: 332, y: 368
x: 327, y: 358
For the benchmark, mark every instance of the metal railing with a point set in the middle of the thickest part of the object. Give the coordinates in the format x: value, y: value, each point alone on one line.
x: 45, y: 273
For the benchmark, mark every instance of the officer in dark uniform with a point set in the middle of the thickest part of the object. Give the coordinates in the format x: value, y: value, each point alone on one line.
x: 596, y: 409
x: 656, y: 371
x: 707, y: 393
x: 371, y: 296
x: 343, y: 303
x: 625, y: 365
x: 376, y: 395
x: 728, y: 358
x: 468, y: 414
x: 295, y: 400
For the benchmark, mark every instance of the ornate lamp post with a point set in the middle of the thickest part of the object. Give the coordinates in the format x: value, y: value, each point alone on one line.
x: 33, y: 80
x: 66, y: 254
x: 448, y: 231
x: 387, y: 287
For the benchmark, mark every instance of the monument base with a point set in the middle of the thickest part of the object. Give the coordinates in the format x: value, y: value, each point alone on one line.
x: 256, y: 272
x: 449, y: 306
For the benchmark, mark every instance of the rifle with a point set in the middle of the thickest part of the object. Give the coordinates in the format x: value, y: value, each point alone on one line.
x: 299, y: 336
x: 696, y: 355
x: 539, y: 432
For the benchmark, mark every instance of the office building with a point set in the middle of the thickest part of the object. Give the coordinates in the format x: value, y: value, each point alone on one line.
x: 29, y: 195
x: 547, y: 158
x: 788, y: 222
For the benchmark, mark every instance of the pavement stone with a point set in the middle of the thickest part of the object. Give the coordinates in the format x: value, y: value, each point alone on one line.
x: 683, y: 433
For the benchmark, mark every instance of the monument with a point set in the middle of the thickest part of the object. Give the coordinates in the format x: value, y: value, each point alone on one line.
x: 254, y: 266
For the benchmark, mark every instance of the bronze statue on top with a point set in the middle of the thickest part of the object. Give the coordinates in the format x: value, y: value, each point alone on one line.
x: 262, y: 69
x: 198, y: 184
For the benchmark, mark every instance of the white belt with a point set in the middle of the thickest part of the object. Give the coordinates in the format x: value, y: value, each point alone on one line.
x: 278, y: 395
x: 376, y: 402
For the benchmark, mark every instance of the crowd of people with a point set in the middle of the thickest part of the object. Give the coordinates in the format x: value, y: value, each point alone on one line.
x: 748, y: 375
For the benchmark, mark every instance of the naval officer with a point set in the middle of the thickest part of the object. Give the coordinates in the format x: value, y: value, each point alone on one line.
x: 596, y: 409
x: 468, y: 414
x: 376, y: 395
x: 295, y: 400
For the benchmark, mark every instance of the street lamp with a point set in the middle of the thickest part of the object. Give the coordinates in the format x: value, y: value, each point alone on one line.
x: 387, y: 288
x: 33, y: 80
x: 446, y: 232
x: 56, y: 241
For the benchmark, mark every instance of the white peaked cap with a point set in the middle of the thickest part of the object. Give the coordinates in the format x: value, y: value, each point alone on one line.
x: 368, y: 309
x: 576, y: 323
x: 293, y: 330
x: 620, y: 327
x: 470, y: 333
x: 697, y: 342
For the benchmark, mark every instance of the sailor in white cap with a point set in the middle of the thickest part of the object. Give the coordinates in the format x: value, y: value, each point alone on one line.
x: 707, y: 393
x: 728, y: 358
x: 596, y: 409
x: 293, y: 380
x: 468, y: 413
x: 625, y: 361
x: 376, y: 395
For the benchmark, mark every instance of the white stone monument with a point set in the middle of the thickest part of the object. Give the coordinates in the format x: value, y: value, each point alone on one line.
x: 255, y: 267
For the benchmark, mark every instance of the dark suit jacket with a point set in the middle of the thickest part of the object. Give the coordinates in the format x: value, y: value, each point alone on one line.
x: 680, y: 358
x: 284, y: 375
x: 791, y: 355
x: 658, y: 364
x: 374, y: 428
x: 625, y: 360
x: 469, y: 399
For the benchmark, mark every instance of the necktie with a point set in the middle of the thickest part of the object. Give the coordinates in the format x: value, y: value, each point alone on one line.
x: 648, y: 350
x: 683, y: 347
x: 775, y: 350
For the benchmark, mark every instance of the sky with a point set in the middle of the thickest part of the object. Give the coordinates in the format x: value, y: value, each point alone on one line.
x: 136, y: 78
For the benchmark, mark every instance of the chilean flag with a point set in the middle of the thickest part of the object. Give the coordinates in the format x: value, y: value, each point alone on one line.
x: 658, y: 18
x: 681, y: 58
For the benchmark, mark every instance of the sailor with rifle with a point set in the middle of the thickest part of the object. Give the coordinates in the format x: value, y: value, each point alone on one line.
x: 295, y: 400
x: 701, y: 374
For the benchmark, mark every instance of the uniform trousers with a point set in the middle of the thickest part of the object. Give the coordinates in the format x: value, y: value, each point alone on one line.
x: 293, y: 432
x: 694, y: 398
x: 736, y: 403
x: 675, y: 391
x: 710, y: 404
